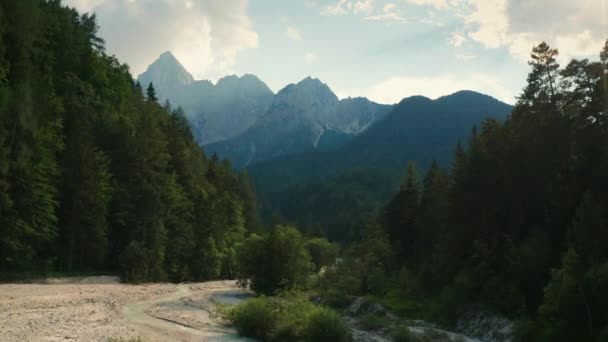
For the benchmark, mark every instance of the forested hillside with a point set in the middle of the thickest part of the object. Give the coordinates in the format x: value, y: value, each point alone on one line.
x: 333, y: 191
x: 93, y: 174
x: 518, y: 224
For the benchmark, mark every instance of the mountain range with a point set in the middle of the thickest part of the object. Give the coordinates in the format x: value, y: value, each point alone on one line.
x: 417, y: 129
x: 306, y: 116
x: 335, y: 190
x: 241, y: 119
x: 317, y: 160
x: 216, y: 112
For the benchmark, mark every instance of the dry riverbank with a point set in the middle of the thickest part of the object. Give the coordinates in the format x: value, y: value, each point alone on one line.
x: 98, y: 308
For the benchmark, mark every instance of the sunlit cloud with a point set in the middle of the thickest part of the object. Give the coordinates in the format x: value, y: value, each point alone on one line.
x: 206, y: 36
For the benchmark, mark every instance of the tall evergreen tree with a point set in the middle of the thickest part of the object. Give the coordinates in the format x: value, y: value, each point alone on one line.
x: 151, y: 93
x: 401, y: 213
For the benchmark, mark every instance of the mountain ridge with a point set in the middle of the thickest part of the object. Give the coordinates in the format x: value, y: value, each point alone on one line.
x: 347, y: 183
x: 217, y: 111
x: 300, y: 115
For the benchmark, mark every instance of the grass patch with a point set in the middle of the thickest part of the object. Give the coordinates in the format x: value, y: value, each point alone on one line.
x: 288, y: 317
x: 408, y: 306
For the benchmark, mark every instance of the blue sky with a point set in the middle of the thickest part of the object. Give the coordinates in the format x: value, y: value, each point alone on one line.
x: 382, y: 49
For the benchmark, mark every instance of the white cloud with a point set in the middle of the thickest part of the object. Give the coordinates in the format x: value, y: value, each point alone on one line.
x: 438, y: 4
x: 83, y: 5
x: 457, y: 39
x: 310, y: 58
x: 205, y: 35
x: 343, y: 7
x: 390, y: 14
x: 465, y: 57
x: 292, y: 33
x: 395, y: 89
x: 363, y: 6
x: 390, y: 7
x: 576, y: 28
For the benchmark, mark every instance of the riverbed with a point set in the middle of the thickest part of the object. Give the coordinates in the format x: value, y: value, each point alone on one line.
x: 99, y: 308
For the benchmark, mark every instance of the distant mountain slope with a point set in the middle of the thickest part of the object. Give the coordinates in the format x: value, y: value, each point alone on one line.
x: 351, y: 181
x: 234, y: 105
x: 418, y: 129
x: 303, y: 117
x: 167, y: 74
x: 216, y: 112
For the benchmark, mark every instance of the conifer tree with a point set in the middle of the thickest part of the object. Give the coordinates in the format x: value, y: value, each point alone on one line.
x: 151, y: 93
x: 401, y: 213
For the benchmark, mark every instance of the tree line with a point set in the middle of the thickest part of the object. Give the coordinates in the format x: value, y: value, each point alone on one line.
x: 518, y: 225
x: 95, y: 175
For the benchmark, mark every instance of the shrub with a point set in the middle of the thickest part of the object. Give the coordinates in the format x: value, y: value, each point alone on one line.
x: 326, y: 325
x: 254, y: 318
x: 402, y: 334
x: 288, y: 317
x: 276, y: 261
x: 322, y: 252
x: 336, y: 299
x: 371, y: 321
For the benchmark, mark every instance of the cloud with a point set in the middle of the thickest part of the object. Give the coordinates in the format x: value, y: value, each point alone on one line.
x: 310, y: 58
x: 438, y: 4
x: 390, y: 14
x: 205, y: 35
x: 457, y: 39
x: 292, y: 33
x: 465, y: 57
x: 83, y: 5
x: 363, y: 6
x: 395, y: 89
x: 576, y: 28
x: 343, y: 7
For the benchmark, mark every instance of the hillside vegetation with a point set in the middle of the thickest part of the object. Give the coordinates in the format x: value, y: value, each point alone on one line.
x: 95, y: 176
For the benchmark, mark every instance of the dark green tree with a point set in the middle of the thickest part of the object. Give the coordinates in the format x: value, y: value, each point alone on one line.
x: 401, y: 213
x: 151, y: 93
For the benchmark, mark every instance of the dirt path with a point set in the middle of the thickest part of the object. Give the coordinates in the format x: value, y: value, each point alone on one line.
x: 173, y: 317
x: 99, y: 308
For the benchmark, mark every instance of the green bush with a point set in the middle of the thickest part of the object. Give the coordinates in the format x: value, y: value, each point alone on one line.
x: 288, y: 317
x: 276, y: 261
x: 254, y: 318
x: 326, y: 325
x: 371, y: 321
x: 322, y: 252
x: 336, y: 299
x: 402, y: 334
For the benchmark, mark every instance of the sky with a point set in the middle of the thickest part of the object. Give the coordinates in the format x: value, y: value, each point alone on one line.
x: 382, y: 49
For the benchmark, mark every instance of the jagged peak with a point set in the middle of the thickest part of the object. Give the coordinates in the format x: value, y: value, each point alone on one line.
x: 248, y: 81
x: 167, y: 67
x: 168, y: 55
x: 311, y: 86
x: 311, y: 81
